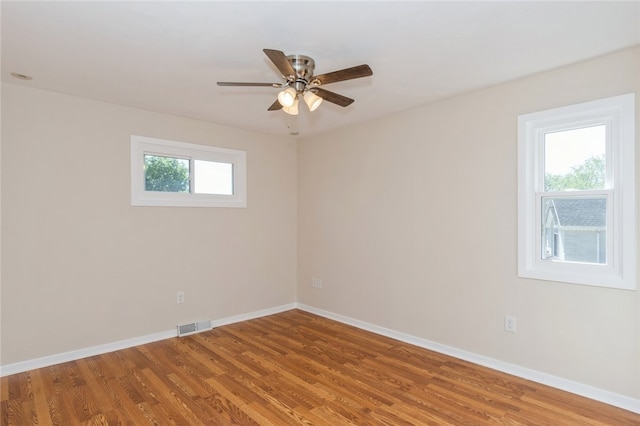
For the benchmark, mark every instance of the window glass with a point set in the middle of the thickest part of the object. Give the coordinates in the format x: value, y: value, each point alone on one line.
x: 574, y: 229
x: 212, y: 177
x: 166, y: 174
x: 575, y: 159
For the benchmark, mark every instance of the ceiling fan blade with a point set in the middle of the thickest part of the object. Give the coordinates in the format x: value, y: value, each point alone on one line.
x: 332, y: 97
x: 233, y: 83
x: 281, y: 62
x: 345, y: 74
x: 275, y: 106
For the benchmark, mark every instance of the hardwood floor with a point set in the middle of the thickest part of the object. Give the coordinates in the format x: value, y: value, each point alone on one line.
x: 292, y: 368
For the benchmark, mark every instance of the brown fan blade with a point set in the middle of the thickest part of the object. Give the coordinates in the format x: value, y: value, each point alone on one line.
x: 345, y: 74
x: 281, y: 62
x: 332, y: 97
x: 232, y: 83
x: 275, y: 106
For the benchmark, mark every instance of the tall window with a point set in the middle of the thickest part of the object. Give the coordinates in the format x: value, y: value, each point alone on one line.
x: 576, y: 203
x: 168, y: 173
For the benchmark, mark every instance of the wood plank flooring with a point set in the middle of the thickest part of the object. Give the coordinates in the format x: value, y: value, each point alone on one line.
x: 292, y: 368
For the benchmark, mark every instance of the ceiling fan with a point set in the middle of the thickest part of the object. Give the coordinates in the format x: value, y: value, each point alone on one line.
x: 299, y: 82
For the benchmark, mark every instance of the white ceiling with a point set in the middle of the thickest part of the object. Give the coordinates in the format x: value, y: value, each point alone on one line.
x: 167, y: 56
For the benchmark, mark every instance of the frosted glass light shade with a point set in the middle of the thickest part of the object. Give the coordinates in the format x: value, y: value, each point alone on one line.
x: 293, y: 109
x: 312, y: 100
x: 287, y: 97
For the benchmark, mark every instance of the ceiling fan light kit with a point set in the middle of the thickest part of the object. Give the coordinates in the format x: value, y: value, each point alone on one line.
x: 313, y: 101
x: 293, y: 109
x: 287, y: 97
x: 300, y: 82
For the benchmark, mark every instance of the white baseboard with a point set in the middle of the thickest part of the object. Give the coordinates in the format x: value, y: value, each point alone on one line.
x: 32, y: 364
x: 252, y: 315
x: 587, y: 391
x: 46, y: 361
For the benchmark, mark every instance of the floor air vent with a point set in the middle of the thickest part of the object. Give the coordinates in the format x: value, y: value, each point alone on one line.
x: 194, y: 327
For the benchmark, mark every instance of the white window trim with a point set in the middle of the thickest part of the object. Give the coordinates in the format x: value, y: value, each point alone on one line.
x: 141, y: 145
x: 618, y: 113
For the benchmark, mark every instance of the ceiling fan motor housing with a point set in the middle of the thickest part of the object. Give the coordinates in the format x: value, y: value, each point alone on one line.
x: 304, y: 67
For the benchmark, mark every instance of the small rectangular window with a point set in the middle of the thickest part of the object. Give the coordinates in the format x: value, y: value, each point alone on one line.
x: 169, y: 173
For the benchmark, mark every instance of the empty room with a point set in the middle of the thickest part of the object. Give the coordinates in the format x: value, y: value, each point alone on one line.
x: 319, y: 212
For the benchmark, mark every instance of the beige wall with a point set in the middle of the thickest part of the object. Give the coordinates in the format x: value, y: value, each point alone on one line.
x: 410, y: 221
x: 81, y: 267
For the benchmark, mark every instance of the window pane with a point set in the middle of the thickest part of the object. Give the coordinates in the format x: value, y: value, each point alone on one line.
x: 166, y: 174
x: 574, y: 229
x: 575, y: 159
x: 213, y: 178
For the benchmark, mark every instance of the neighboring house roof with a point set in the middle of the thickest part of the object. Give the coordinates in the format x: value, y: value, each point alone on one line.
x: 581, y: 212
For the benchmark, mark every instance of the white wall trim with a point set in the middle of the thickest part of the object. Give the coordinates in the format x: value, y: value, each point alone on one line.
x: 253, y: 315
x: 32, y: 364
x: 46, y: 361
x: 587, y: 391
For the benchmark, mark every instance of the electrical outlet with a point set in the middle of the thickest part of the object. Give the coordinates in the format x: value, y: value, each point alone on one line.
x: 316, y: 283
x: 510, y: 323
x: 180, y: 297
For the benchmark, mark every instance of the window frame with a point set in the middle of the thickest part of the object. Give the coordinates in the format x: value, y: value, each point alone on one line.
x: 618, y: 114
x: 141, y: 145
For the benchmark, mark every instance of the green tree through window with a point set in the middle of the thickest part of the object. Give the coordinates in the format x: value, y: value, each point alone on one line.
x: 166, y: 174
x: 587, y: 176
